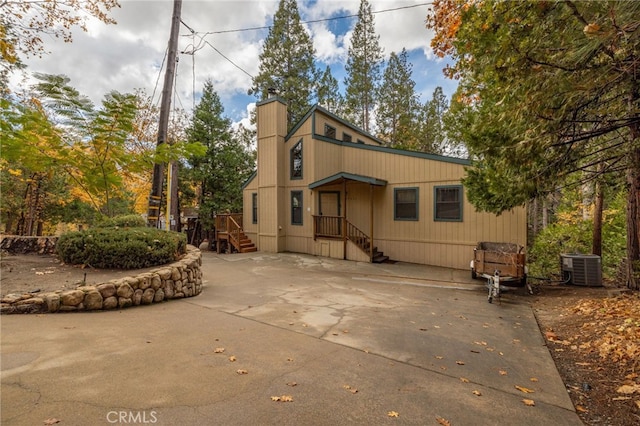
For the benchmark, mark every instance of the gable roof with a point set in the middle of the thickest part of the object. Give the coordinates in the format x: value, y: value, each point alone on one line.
x: 348, y: 176
x: 249, y: 179
x: 417, y: 154
x: 317, y: 108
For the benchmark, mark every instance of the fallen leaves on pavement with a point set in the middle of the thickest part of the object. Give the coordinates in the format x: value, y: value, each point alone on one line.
x: 525, y: 390
x: 350, y: 389
x: 283, y: 398
x: 442, y: 421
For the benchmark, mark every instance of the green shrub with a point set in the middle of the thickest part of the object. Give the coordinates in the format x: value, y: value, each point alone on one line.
x: 124, y: 221
x: 576, y: 237
x: 544, y: 255
x: 124, y: 248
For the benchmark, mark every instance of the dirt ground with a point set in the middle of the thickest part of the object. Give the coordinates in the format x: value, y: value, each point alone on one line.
x: 25, y: 273
x: 593, y: 334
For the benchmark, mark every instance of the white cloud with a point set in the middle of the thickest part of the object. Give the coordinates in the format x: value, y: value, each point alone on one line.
x: 128, y: 55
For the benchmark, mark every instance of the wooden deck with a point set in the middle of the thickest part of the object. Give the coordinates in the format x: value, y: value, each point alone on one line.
x: 230, y: 236
x: 338, y: 227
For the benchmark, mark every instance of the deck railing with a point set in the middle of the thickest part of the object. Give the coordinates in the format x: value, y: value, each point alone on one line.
x: 234, y: 230
x: 229, y: 228
x: 338, y: 227
x: 222, y: 221
x: 328, y: 226
x: 359, y: 238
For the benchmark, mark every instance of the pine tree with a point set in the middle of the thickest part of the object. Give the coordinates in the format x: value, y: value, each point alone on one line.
x: 328, y: 93
x: 363, y: 69
x: 226, y: 164
x: 398, y: 104
x: 431, y: 132
x: 547, y: 98
x: 287, y: 62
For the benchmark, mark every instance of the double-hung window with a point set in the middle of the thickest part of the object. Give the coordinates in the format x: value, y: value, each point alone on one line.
x: 254, y: 207
x: 296, y: 207
x: 448, y: 203
x: 405, y: 203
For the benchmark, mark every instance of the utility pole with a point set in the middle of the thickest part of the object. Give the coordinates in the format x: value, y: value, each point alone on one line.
x: 153, y: 213
x: 173, y: 213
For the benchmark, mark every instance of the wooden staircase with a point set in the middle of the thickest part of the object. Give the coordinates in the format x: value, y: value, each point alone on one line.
x: 363, y: 241
x: 229, y: 233
x: 243, y: 244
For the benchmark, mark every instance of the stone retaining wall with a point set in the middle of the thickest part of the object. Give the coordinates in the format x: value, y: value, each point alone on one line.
x: 174, y: 281
x: 17, y: 244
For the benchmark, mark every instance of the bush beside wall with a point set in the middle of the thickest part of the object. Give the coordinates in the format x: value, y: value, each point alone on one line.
x: 121, y: 248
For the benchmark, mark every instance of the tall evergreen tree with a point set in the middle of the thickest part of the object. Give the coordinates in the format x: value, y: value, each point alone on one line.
x: 363, y: 69
x: 226, y: 164
x: 548, y: 90
x: 431, y: 133
x: 287, y: 62
x: 328, y: 93
x: 398, y: 104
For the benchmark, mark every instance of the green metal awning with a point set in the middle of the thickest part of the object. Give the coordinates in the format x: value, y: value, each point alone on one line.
x: 340, y: 177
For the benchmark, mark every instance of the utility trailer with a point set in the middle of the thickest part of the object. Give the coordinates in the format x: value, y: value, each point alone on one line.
x: 501, y: 264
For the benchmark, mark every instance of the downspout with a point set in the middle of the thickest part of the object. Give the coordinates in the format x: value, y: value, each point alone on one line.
x: 370, y: 223
x: 344, y: 221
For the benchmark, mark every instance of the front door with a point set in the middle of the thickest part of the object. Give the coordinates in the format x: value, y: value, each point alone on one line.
x: 330, y: 203
x: 329, y: 206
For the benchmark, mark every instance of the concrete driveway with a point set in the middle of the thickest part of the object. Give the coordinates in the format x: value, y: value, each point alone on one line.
x: 348, y: 343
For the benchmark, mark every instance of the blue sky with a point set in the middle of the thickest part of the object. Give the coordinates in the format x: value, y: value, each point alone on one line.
x: 128, y: 55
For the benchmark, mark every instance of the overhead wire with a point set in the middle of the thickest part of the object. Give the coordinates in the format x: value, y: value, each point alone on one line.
x: 203, y: 41
x: 166, y: 53
x: 203, y: 36
x: 313, y: 21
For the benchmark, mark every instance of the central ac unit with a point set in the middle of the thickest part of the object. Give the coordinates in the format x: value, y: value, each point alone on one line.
x: 581, y: 269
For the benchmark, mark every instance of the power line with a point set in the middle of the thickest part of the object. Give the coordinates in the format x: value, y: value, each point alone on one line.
x: 204, y: 41
x: 313, y: 21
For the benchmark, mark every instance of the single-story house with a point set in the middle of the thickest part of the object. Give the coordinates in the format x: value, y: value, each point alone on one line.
x: 328, y: 188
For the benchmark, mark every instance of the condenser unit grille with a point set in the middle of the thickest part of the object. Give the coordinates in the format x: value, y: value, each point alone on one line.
x: 582, y: 269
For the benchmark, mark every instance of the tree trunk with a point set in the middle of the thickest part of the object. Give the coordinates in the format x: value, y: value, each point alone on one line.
x: 596, y: 247
x: 32, y: 204
x: 633, y: 219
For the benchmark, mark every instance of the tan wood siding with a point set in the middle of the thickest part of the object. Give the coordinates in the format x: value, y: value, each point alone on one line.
x: 423, y: 241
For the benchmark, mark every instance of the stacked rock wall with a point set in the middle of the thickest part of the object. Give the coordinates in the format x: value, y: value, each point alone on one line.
x: 174, y: 281
x: 16, y: 244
